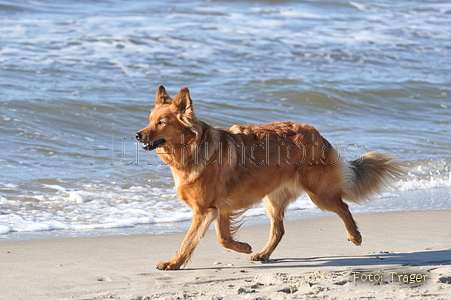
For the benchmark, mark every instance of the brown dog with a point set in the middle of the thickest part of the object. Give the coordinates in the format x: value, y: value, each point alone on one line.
x: 220, y: 172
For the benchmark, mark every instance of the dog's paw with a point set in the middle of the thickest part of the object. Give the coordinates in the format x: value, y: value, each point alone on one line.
x: 260, y: 257
x: 167, y: 266
x: 244, y: 248
x: 356, y: 239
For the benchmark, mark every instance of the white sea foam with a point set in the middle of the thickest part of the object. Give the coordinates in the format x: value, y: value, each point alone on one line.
x: 4, y: 229
x: 76, y: 197
x: 108, y: 205
x: 123, y: 208
x: 423, y: 184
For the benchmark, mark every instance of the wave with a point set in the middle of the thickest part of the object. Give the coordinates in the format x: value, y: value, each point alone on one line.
x: 108, y: 206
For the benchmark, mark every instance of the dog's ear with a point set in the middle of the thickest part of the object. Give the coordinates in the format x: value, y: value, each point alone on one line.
x: 183, y: 101
x: 162, y: 96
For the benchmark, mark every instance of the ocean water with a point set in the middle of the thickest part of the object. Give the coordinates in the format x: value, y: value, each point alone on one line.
x: 78, y: 79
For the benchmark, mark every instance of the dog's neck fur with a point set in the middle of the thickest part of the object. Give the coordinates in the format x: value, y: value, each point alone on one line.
x: 193, y: 152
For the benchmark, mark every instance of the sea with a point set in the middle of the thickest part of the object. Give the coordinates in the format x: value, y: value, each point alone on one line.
x: 78, y: 79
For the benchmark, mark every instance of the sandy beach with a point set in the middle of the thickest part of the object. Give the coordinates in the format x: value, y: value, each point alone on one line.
x: 403, y: 255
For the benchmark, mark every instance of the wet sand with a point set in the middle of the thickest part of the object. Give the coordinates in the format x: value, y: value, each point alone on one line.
x: 403, y: 255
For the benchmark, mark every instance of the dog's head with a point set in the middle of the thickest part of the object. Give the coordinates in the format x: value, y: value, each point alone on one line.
x: 171, y: 122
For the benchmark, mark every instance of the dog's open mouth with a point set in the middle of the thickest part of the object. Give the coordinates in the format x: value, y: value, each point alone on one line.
x: 153, y: 145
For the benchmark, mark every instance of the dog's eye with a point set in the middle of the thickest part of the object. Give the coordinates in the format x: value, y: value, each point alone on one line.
x: 161, y: 123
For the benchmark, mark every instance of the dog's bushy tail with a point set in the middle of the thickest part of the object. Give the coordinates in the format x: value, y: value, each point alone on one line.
x: 371, y: 174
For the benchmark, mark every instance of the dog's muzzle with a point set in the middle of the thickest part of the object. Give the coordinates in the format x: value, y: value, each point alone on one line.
x: 149, y: 146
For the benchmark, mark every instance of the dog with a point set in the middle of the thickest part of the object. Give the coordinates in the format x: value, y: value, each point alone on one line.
x: 222, y: 172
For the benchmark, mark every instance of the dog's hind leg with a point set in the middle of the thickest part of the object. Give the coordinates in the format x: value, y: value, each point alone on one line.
x: 201, y: 220
x: 275, y: 204
x: 336, y: 205
x: 225, y: 233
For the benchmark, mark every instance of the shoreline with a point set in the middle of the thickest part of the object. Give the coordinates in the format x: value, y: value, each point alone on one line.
x: 436, y: 199
x: 314, y: 259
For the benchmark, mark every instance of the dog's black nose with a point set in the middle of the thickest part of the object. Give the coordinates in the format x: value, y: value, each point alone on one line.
x: 138, y: 135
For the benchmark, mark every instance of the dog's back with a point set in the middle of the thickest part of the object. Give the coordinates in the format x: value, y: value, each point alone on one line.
x: 249, y: 162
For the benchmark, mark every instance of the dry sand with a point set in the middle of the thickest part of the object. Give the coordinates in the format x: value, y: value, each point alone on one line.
x: 313, y: 261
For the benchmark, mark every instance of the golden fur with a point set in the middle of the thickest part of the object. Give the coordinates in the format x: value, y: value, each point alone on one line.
x: 221, y: 172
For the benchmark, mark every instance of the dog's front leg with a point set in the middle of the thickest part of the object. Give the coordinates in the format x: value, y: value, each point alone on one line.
x: 201, y: 220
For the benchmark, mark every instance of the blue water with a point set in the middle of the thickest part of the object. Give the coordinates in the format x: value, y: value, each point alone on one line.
x: 78, y: 79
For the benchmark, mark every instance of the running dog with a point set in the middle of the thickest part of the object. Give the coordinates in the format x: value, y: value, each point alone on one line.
x: 222, y: 172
